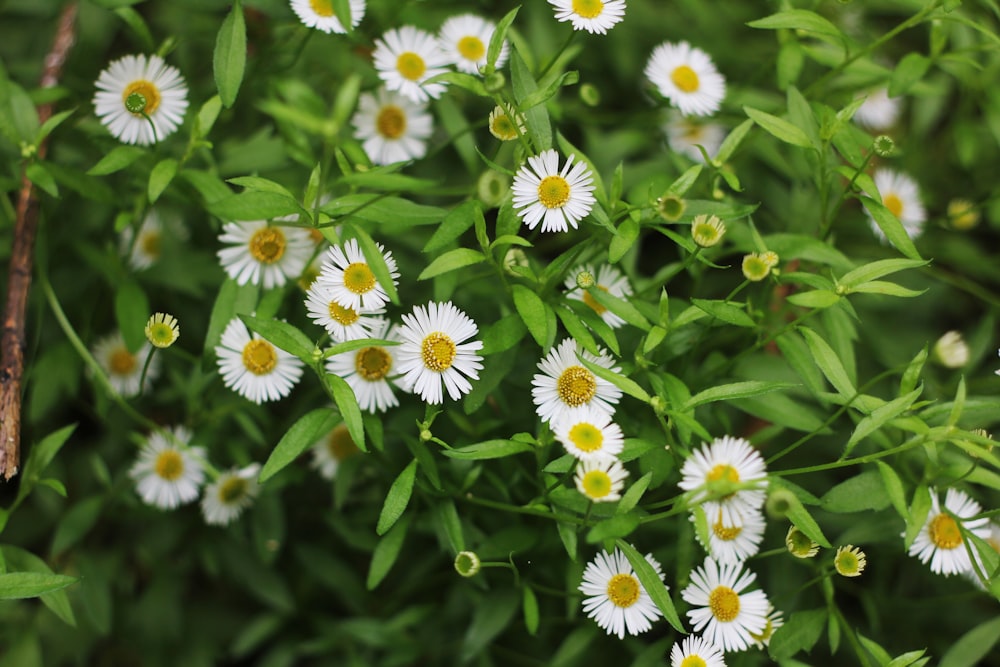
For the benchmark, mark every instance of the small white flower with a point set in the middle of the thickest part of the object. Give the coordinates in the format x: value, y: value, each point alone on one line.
x: 168, y: 473
x: 346, y: 272
x: 901, y: 195
x: 557, y: 199
x: 951, y: 350
x: 696, y: 652
x: 607, y: 279
x: 615, y: 598
x: 940, y: 540
x: 261, y: 254
x: 144, y: 84
x: 405, y: 57
x: 731, y: 544
x: 144, y: 248
x: 434, y: 352
x: 594, y: 16
x: 319, y: 14
x: 254, y: 367
x: 878, y: 111
x: 367, y: 370
x: 728, y: 615
x: 687, y: 77
x: 391, y: 127
x: 341, y: 322
x: 684, y: 135
x: 230, y: 494
x: 465, y: 38
x: 588, y: 433
x: 726, y: 459
x: 329, y: 452
x: 601, y: 479
x: 565, y: 384
x: 123, y: 368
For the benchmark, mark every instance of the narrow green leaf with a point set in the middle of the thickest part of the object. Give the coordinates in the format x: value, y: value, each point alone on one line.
x: 880, y: 416
x: 458, y: 220
x: 973, y: 646
x: 386, y: 553
x: 503, y: 334
x: 305, y: 432
x: 40, y: 176
x: 254, y: 205
x: 347, y: 403
x: 891, y: 227
x: 627, y: 385
x: 529, y: 606
x: 623, y: 240
x: 20, y: 585
x: 576, y: 329
x: 829, y: 363
x: 886, y: 288
x: 878, y: 269
x: 804, y: 521
x: 733, y: 141
x: 397, y: 499
x: 261, y: 184
x: 283, y: 335
x: 208, y: 114
x: 860, y: 493
x: 447, y: 518
x: 684, y: 182
x: 799, y: 633
x: 633, y: 495
x: 735, y: 390
x: 160, y: 177
x: 728, y: 312
x: 536, y: 118
x: 779, y: 128
x: 376, y: 261
x: 230, y: 55
x: 654, y: 586
x: 533, y: 312
x: 51, y: 124
x: 132, y: 312
x: 135, y: 21
x: 21, y: 560
x: 818, y: 298
x: 797, y: 19
x: 620, y: 307
x: 452, y: 260
x: 499, y: 35
x: 544, y: 94
x: 893, y: 487
x: 910, y: 70
x: 490, y: 449
x: 620, y: 525
x: 117, y: 159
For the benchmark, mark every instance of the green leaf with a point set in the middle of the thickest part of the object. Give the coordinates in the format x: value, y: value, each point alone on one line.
x: 261, y: 185
x: 20, y: 585
x: 529, y: 607
x: 499, y: 35
x: 733, y: 141
x: 799, y: 516
x: 633, y: 495
x: 909, y: 71
x: 377, y: 263
x: 728, y: 312
x: 51, y: 124
x: 20, y: 560
x: 544, y: 94
x: 447, y: 519
x: 452, y: 260
x: 386, y: 552
x: 40, y: 176
x: 490, y: 449
x: 623, y: 240
x: 876, y: 651
x: 576, y: 329
x: 858, y: 494
x: 207, y: 115
x: 135, y: 21
x: 536, y: 118
x: 617, y: 526
x: 654, y: 586
x: 893, y: 487
x: 797, y: 19
x: 304, y: 433
x: 734, y: 390
x: 254, y: 205
x: 880, y: 416
x: 973, y: 646
x: 283, y: 335
x: 799, y: 633
x: 627, y: 385
x: 877, y: 269
x: 230, y: 56
x: 620, y: 307
x: 886, y: 288
x: 920, y: 507
x: 116, y: 160
x: 160, y: 177
x: 347, y: 403
x: 397, y: 499
x: 232, y: 300
x: 132, y: 312
x: 779, y: 128
x: 458, y: 220
x: 533, y: 312
x: 488, y: 621
x: 684, y: 182
x: 819, y: 298
x: 503, y: 334
x: 829, y: 363
x: 891, y: 227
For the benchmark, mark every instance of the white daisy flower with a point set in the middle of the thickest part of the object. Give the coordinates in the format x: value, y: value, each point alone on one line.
x: 465, y: 38
x: 607, y: 279
x: 565, y: 384
x: 319, y: 14
x: 168, y: 473
x: 728, y: 615
x: 696, y: 652
x: 588, y: 433
x: 614, y: 597
x: 506, y: 124
x: 263, y: 254
x: 405, y: 57
x: 901, y: 195
x: 144, y: 248
x: 135, y: 85
x: 731, y: 460
x: 433, y: 352
x: 230, y: 494
x: 346, y: 272
x: 253, y: 367
x: 341, y: 322
x: 731, y: 544
x: 330, y: 452
x: 601, y: 479
x: 940, y: 540
x: 687, y: 77
x: 391, y: 127
x: 123, y: 368
x: 684, y: 135
x: 878, y: 111
x: 594, y: 16
x: 775, y: 620
x: 367, y: 370
x: 951, y: 350
x: 557, y: 199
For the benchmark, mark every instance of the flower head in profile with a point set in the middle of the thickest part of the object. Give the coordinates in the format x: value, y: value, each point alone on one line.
x: 607, y: 279
x: 707, y: 230
x: 162, y: 330
x: 559, y: 199
x: 506, y: 124
x: 253, y: 367
x: 594, y: 16
x: 685, y: 135
x: 341, y: 322
x: 951, y: 350
x: 878, y: 111
x: 601, y: 478
x: 231, y: 493
x: 589, y: 433
x: 565, y: 384
x: 466, y: 38
x: 687, y: 77
x: 136, y: 94
x: 368, y: 370
x: 168, y: 473
x: 124, y: 368
x: 901, y: 195
x: 346, y: 272
x: 711, y: 473
x: 733, y: 543
x: 724, y: 611
x: 406, y: 57
x: 261, y: 254
x: 319, y: 14
x: 331, y: 450
x: 799, y: 544
x: 940, y: 541
x: 434, y: 352
x: 614, y: 597
x: 850, y: 561
x: 392, y: 127
x: 696, y: 652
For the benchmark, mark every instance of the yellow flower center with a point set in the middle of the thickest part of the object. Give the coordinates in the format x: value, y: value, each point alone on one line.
x: 471, y: 48
x: 150, y: 244
x: 944, y: 532
x: 693, y: 661
x: 726, y: 533
x: 847, y: 563
x: 693, y: 132
x: 341, y: 315
x: 373, y: 363
x: 586, y: 437
x: 340, y: 444
x: 267, y: 245
x: 724, y: 603
x: 588, y: 9
x: 438, y: 351
x: 705, y: 234
x: 553, y: 192
x: 411, y: 66
x: 592, y: 302
x: 358, y: 278
x: 623, y: 590
x: 122, y: 362
x: 685, y: 78
x: 162, y: 334
x: 322, y: 7
x: 259, y: 357
x: 169, y: 465
x: 232, y: 490
x: 893, y: 203
x: 503, y: 127
x: 391, y: 122
x: 148, y: 90
x: 723, y: 471
x: 596, y: 484
x: 576, y: 386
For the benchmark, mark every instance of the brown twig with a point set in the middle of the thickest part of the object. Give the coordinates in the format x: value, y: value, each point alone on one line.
x: 22, y: 256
